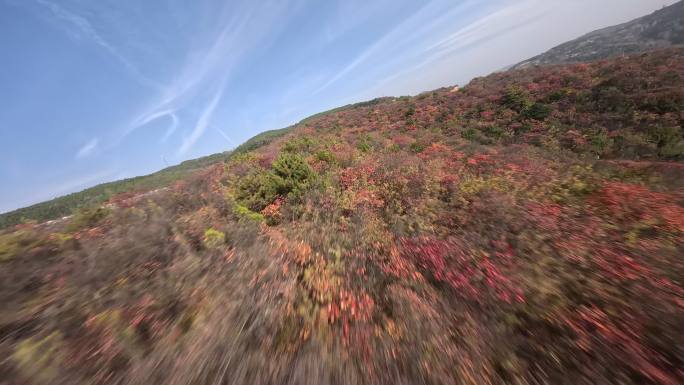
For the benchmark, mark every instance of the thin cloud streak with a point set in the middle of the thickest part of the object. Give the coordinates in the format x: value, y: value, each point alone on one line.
x: 407, y: 31
x: 226, y: 137
x: 172, y: 128
x: 221, y: 56
x: 490, y: 26
x: 86, y: 30
x: 87, y: 149
x: 485, y: 29
x: 368, y: 52
x: 202, y: 123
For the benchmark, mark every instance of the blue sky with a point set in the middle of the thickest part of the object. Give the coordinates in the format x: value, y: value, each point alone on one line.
x: 99, y: 90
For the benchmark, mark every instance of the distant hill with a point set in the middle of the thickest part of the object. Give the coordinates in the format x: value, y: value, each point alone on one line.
x: 66, y: 205
x: 661, y: 29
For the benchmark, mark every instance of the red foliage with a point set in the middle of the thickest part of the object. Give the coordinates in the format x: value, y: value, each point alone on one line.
x: 597, y: 331
x: 403, y: 140
x: 123, y: 200
x: 272, y: 211
x: 635, y: 203
x: 353, y: 175
x: 487, y: 115
x: 473, y: 274
x: 545, y: 215
x: 435, y: 150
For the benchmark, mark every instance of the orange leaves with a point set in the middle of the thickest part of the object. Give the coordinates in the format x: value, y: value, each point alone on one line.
x: 435, y: 150
x: 480, y: 160
x: 353, y: 176
x: 300, y: 252
x: 123, y: 200
x: 303, y: 253
x: 95, y: 232
x: 397, y: 266
x: 361, y: 181
x: 369, y: 198
x: 272, y: 211
x: 533, y: 87
x: 348, y: 306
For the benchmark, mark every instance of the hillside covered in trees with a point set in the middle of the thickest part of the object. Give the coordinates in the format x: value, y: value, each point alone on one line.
x: 527, y: 228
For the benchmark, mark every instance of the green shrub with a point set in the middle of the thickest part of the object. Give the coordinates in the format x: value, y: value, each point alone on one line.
x: 601, y: 143
x: 87, y: 217
x: 213, y: 238
x: 634, y: 145
x: 294, y: 171
x: 289, y: 174
x: 298, y: 145
x: 10, y: 246
x: 410, y: 112
x: 394, y: 148
x: 21, y: 241
x: 243, y: 212
x: 474, y: 185
x: 495, y: 132
x: 417, y: 147
x: 669, y: 141
x: 363, y: 145
x: 559, y: 95
x: 538, y: 111
x: 672, y: 151
x: 470, y: 133
x: 326, y: 156
x: 608, y: 98
x: 258, y: 189
x: 579, y: 182
x: 517, y: 99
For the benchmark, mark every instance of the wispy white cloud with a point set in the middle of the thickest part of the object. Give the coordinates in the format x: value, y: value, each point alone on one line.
x: 87, y: 149
x: 202, y: 123
x: 143, y: 120
x: 490, y: 26
x: 245, y: 27
x: 172, y: 128
x: 422, y: 21
x: 85, y: 29
x: 361, y: 58
x: 226, y: 137
x: 351, y: 66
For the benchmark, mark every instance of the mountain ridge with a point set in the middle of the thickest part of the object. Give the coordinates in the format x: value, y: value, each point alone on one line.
x: 661, y: 29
